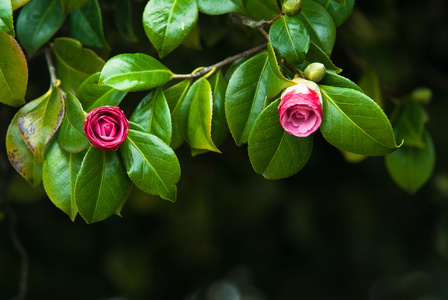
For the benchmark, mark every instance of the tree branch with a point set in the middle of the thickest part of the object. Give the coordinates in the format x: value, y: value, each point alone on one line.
x: 224, y: 62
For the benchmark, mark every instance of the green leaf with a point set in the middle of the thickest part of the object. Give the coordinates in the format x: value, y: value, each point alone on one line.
x: 71, y: 135
x: 92, y: 95
x: 123, y: 20
x: 353, y: 122
x: 370, y: 84
x: 168, y: 22
x: 411, y: 167
x: 320, y: 25
x: 40, y: 121
x: 13, y: 71
x: 59, y: 177
x: 71, y: 5
x: 332, y: 79
x: 102, y: 186
x: 6, y: 20
x: 196, y: 116
x: 220, y: 129
x: 18, y: 3
x: 275, y: 81
x: 74, y: 63
x: 19, y: 155
x: 315, y: 54
x: 175, y: 96
x: 219, y: 7
x: 153, y: 114
x: 339, y: 10
x: 290, y: 38
x: 273, y: 152
x: 151, y: 164
x: 261, y: 9
x: 37, y: 22
x: 410, y: 125
x: 245, y: 96
x: 134, y: 72
x: 86, y: 25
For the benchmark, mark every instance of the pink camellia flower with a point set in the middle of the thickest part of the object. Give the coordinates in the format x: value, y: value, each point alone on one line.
x: 106, y: 127
x: 300, y: 109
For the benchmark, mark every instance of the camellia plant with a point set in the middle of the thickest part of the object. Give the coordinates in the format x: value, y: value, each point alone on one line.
x: 89, y: 154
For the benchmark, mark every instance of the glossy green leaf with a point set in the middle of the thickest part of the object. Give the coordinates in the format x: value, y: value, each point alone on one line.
x: 153, y: 114
x: 219, y: 7
x: 168, y: 22
x: 59, y: 173
x: 123, y: 20
x: 339, y: 10
x: 370, y: 84
x: 71, y: 135
x: 38, y: 124
x: 315, y: 54
x: 320, y: 25
x: 335, y: 80
x: 37, y: 22
x: 102, y: 186
x: 411, y: 167
x: 6, y: 20
x: 92, y: 95
x: 245, y: 96
x: 273, y: 152
x: 275, y: 81
x: 193, y: 39
x: 13, y: 71
x: 289, y: 36
x: 18, y: 3
x: 410, y: 125
x: 151, y: 164
x: 134, y: 72
x: 19, y: 155
x: 261, y: 9
x: 220, y: 129
x: 71, y: 5
x: 175, y: 96
x: 196, y: 116
x: 86, y: 25
x: 74, y: 63
x: 353, y: 122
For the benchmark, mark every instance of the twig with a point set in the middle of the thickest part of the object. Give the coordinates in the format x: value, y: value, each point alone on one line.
x: 264, y: 33
x: 51, y: 68
x: 224, y: 62
x: 284, y: 62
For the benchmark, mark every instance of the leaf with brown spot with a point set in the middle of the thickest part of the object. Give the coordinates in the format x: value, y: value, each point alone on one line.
x: 38, y: 124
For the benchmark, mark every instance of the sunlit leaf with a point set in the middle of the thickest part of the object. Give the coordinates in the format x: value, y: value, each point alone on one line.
x: 275, y: 81
x: 6, y: 20
x: 168, y: 22
x: 335, y: 80
x: 38, y: 124
x: 273, y: 152
x: 18, y: 3
x: 219, y: 7
x: 220, y: 129
x: 13, y: 71
x: 134, y: 72
x: 315, y: 54
x: 86, y: 25
x: 59, y: 174
x: 153, y: 114
x: 102, y: 186
x: 74, y: 63
x: 151, y: 164
x: 37, y: 22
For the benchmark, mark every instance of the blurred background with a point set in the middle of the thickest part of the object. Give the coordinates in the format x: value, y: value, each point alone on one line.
x: 335, y: 230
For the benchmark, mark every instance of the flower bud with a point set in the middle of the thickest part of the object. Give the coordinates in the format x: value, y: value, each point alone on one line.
x: 314, y: 72
x: 292, y: 7
x: 422, y: 95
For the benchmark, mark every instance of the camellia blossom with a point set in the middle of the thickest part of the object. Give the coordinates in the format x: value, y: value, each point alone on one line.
x: 300, y: 109
x: 106, y: 127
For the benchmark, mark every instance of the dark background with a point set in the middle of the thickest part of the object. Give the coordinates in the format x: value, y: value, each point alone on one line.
x: 333, y: 231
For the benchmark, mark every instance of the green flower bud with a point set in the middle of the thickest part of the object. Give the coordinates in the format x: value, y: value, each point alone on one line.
x: 422, y: 95
x: 292, y: 7
x: 314, y: 72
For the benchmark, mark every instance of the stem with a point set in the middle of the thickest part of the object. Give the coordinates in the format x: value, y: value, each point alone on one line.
x: 291, y: 68
x: 224, y: 62
x: 51, y: 68
x: 264, y: 33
